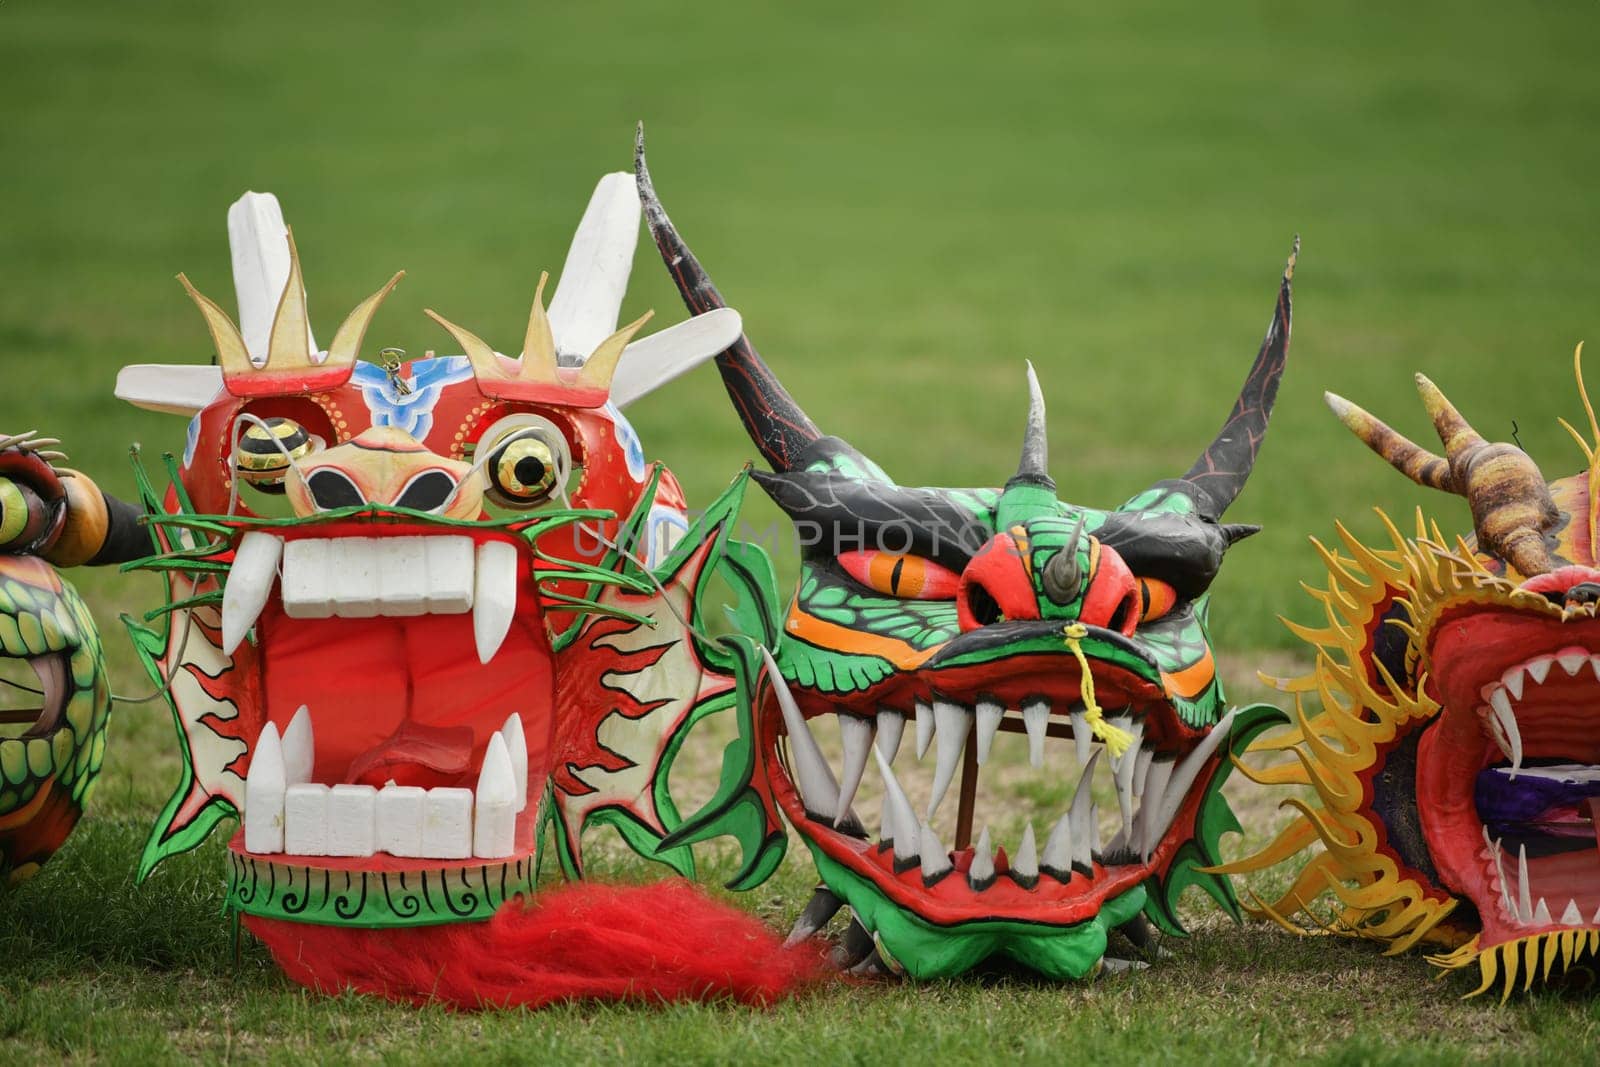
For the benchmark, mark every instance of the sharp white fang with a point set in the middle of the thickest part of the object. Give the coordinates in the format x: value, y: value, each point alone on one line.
x: 953, y: 722
x: 517, y: 745
x: 1541, y: 913
x: 1124, y: 768
x: 494, y: 597
x: 1524, y: 901
x: 935, y: 860
x: 903, y: 828
x: 494, y: 819
x: 1081, y: 815
x: 249, y: 584
x: 1539, y: 668
x: 1594, y: 665
x: 299, y: 747
x: 1508, y: 723
x: 1572, y: 659
x: 814, y: 777
x: 1498, y: 734
x: 1082, y: 736
x: 1122, y: 722
x: 264, y: 793
x: 891, y: 725
x: 989, y: 715
x: 924, y: 728
x: 1026, y: 863
x: 1571, y: 916
x: 856, y: 735
x: 1141, y: 770
x: 982, y: 868
x: 1058, y: 846
x: 1036, y: 720
x: 1185, y: 773
x: 1500, y: 874
x: 1155, y: 791
x: 1512, y: 682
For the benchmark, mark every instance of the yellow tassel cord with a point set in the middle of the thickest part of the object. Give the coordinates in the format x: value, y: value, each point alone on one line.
x: 1116, y: 740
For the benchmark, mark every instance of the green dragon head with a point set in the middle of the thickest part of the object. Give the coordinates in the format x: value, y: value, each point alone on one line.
x: 974, y: 611
x: 53, y: 739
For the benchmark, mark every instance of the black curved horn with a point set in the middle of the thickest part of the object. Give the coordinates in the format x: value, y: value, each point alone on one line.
x: 1218, y: 476
x: 777, y: 425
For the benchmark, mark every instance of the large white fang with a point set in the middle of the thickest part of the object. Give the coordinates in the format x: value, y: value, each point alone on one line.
x: 904, y: 831
x: 813, y: 776
x: 1082, y: 736
x: 1184, y: 774
x: 982, y: 868
x: 517, y: 745
x: 1501, y: 705
x: 1058, y: 846
x: 264, y: 794
x: 954, y: 723
x: 924, y: 728
x: 494, y: 599
x: 249, y: 584
x: 1124, y: 767
x: 1524, y: 901
x: 1026, y: 863
x: 494, y: 818
x: 891, y: 726
x: 1081, y: 821
x: 935, y: 859
x: 1155, y: 789
x: 299, y: 747
x: 856, y: 734
x: 989, y: 715
x: 1036, y: 720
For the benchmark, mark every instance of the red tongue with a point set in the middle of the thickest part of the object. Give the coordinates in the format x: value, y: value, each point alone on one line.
x: 416, y: 754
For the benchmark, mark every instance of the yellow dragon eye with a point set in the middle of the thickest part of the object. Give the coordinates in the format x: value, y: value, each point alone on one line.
x: 523, y: 470
x: 13, y: 512
x: 260, y: 457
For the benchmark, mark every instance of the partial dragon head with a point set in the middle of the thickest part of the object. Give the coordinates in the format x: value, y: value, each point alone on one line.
x: 967, y: 612
x: 53, y: 738
x: 1450, y: 736
x: 418, y: 609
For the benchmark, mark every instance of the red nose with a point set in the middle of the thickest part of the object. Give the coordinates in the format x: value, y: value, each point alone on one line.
x: 996, y: 586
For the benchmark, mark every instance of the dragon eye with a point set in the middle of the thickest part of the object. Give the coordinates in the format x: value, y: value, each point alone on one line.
x: 901, y: 575
x: 23, y: 516
x: 1156, y: 598
x: 266, y: 449
x: 528, y: 461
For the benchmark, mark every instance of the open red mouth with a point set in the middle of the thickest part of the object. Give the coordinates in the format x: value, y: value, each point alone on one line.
x: 377, y: 731
x: 1060, y: 875
x: 1509, y: 777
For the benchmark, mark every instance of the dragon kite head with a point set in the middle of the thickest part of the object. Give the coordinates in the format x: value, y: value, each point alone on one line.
x: 418, y: 609
x: 955, y: 614
x: 1451, y: 734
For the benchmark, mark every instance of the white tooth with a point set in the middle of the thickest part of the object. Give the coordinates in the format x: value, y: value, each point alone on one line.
x: 1524, y: 902
x: 1572, y: 916
x: 1124, y: 768
x: 299, y: 747
x: 1512, y: 681
x: 517, y: 745
x: 1026, y: 863
x: 1541, y: 913
x: 814, y: 777
x: 1125, y: 724
x: 1539, y: 668
x: 494, y: 816
x: 989, y: 715
x: 1498, y: 734
x: 924, y: 728
x: 1141, y: 770
x: 352, y: 820
x: 403, y: 576
x: 264, y: 794
x: 982, y: 868
x: 1508, y: 723
x: 1036, y: 720
x: 1596, y: 920
x: 1155, y: 791
x: 891, y: 725
x: 1082, y: 736
x: 1081, y: 815
x: 1184, y: 774
x: 886, y: 821
x: 400, y: 812
x: 1058, y: 847
x: 954, y: 723
x: 305, y: 819
x: 856, y: 734
x: 903, y: 828
x: 451, y: 574
x: 306, y: 585
x: 249, y: 584
x: 354, y: 577
x: 447, y: 824
x: 1500, y: 874
x: 1572, y: 659
x: 494, y: 598
x: 935, y: 860
x: 1594, y: 665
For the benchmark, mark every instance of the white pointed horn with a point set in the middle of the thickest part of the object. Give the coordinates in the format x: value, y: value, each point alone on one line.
x: 651, y: 362
x: 595, y: 276
x: 258, y: 240
x: 170, y: 388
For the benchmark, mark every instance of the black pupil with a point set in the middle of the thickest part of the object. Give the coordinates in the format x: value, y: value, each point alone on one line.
x: 330, y: 489
x: 427, y: 491
x: 530, y: 471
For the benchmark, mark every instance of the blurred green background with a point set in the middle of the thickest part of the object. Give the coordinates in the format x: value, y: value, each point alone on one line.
x: 905, y: 201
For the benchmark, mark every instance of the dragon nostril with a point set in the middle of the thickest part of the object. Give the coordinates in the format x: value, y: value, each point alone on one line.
x: 983, y: 608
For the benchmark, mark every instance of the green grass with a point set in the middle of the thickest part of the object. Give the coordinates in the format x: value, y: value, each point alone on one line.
x: 904, y: 200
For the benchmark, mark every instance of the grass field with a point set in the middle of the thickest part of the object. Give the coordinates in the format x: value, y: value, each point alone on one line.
x: 904, y: 200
